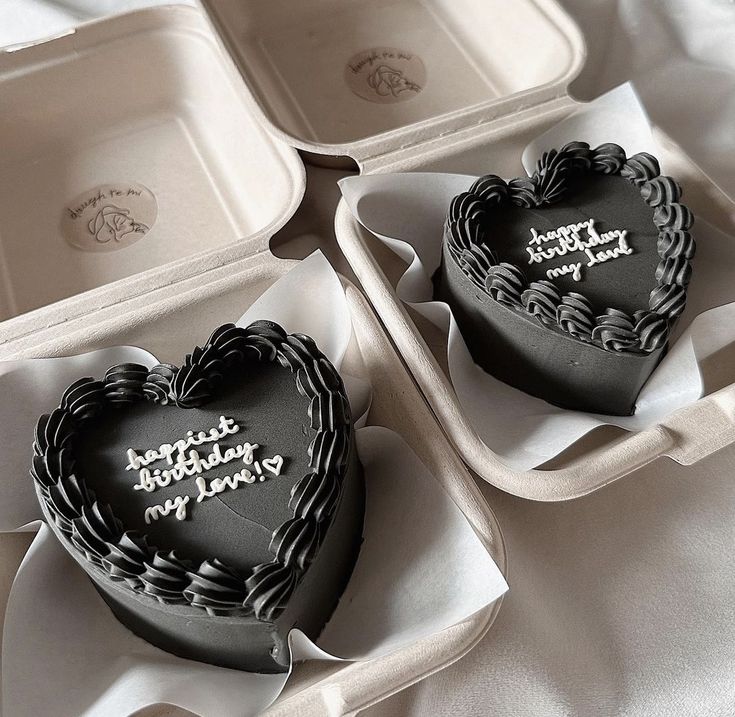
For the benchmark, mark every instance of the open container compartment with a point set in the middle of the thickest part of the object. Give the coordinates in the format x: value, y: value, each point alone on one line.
x: 491, y: 80
x: 130, y: 160
x: 223, y: 186
x: 606, y: 454
x: 166, y: 326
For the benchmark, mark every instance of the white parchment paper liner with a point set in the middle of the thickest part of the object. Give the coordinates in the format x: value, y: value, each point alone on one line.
x: 406, y: 212
x: 421, y: 568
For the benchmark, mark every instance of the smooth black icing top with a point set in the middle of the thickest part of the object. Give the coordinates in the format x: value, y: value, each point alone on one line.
x: 487, y: 229
x: 78, y: 473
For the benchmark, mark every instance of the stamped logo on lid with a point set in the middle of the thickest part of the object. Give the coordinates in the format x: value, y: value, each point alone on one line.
x: 385, y: 75
x: 109, y: 217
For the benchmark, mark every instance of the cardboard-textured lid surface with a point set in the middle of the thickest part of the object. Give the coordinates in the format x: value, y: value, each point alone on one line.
x: 130, y: 160
x: 362, y: 79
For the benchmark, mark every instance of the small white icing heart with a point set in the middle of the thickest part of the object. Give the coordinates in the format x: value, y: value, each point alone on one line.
x: 274, y: 464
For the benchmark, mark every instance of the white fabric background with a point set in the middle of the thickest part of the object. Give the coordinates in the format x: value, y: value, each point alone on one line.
x: 623, y: 602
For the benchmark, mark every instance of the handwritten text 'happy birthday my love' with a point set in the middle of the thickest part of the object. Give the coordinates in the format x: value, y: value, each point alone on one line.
x: 568, y: 240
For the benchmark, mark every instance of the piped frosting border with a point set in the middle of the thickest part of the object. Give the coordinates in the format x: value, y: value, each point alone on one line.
x: 647, y: 330
x: 124, y: 555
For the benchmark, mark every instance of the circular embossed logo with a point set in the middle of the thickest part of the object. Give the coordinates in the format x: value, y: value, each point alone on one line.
x: 385, y: 75
x: 109, y: 217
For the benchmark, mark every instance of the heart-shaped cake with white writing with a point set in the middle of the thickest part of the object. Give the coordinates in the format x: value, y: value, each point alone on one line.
x: 566, y: 284
x: 216, y: 505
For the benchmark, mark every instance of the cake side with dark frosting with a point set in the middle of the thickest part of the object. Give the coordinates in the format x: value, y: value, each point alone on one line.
x: 180, y: 532
x: 594, y: 247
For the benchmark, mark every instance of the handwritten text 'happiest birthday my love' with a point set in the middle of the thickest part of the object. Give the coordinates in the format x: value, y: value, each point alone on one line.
x: 184, y: 460
x: 569, y: 239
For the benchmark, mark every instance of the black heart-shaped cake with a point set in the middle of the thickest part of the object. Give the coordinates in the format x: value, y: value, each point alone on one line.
x: 566, y: 284
x: 215, y: 506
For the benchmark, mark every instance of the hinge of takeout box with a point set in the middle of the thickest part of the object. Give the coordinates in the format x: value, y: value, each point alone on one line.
x: 423, y: 149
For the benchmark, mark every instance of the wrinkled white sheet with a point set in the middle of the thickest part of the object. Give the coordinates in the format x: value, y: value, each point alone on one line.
x: 622, y: 601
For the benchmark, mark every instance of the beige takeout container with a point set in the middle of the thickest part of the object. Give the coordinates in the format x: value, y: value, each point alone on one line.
x: 150, y: 102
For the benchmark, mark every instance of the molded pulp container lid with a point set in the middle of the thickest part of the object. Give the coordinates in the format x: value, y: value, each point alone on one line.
x: 346, y: 77
x: 127, y: 148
